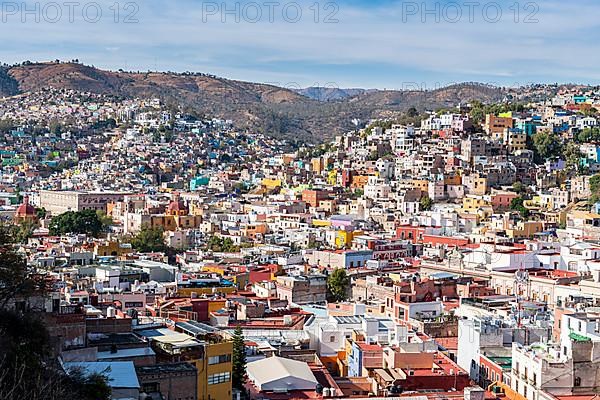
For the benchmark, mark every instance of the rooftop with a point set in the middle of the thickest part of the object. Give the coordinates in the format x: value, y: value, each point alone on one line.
x: 166, y: 368
x: 120, y: 374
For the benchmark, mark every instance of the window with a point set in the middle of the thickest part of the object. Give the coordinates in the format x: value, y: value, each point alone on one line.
x: 151, y: 387
x: 222, y: 358
x: 221, y: 377
x: 331, y: 339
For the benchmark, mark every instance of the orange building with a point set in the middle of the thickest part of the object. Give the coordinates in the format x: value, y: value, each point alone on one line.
x: 495, y: 126
x: 314, y: 197
x: 359, y: 181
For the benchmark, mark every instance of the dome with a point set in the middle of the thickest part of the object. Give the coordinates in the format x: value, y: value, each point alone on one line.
x: 177, y: 207
x: 25, y: 209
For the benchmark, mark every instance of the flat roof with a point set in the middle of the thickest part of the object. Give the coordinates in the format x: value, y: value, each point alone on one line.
x: 122, y: 353
x: 161, y: 368
x: 178, y: 340
x: 120, y: 374
x: 350, y: 319
x: 96, y: 339
x: 195, y: 328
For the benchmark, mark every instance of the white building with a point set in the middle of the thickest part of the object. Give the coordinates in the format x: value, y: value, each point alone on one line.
x: 281, y: 374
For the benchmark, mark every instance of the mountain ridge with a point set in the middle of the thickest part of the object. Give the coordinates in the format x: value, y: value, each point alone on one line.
x: 267, y: 108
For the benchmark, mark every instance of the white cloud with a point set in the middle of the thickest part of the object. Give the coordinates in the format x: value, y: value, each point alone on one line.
x: 172, y: 35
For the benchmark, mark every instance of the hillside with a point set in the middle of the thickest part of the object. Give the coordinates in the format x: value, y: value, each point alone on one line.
x: 330, y: 93
x: 8, y: 85
x: 267, y: 108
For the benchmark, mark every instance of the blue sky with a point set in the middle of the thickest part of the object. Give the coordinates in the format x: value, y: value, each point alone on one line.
x: 350, y: 43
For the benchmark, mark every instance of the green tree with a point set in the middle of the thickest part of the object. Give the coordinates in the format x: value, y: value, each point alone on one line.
x: 55, y: 127
x: 572, y: 155
x: 91, y: 386
x: 149, y: 239
x: 28, y: 366
x: 41, y: 212
x: 426, y: 203
x: 516, y: 204
x: 15, y: 275
x: 357, y: 193
x: 477, y: 113
x: 595, y: 189
x: 595, y: 183
x: 23, y: 231
x: 84, y: 222
x: 338, y: 284
x: 105, y: 220
x: 238, y: 359
x: 588, y: 135
x: 546, y: 145
x: 7, y: 125
x: 224, y: 245
x: 518, y: 187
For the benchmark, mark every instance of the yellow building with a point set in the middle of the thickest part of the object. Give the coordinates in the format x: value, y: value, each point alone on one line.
x: 332, y: 177
x: 111, y: 248
x: 479, y: 186
x: 533, y: 203
x: 271, y: 183
x: 214, y: 371
x: 174, y: 222
x: 515, y: 140
x: 208, y: 349
x: 472, y: 204
x: 317, y: 165
x: 422, y: 184
x: 321, y: 223
x: 240, y: 279
x: 187, y: 291
x: 525, y: 229
x: 344, y: 238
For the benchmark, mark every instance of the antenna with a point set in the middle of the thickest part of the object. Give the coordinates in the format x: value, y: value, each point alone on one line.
x: 521, y: 279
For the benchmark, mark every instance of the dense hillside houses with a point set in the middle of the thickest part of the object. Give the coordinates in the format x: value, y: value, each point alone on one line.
x: 454, y: 254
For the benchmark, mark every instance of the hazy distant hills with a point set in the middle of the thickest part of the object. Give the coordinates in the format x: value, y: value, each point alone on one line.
x: 309, y: 114
x: 331, y: 93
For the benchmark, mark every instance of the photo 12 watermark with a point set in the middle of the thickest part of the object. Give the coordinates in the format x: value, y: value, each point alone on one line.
x: 470, y: 12
x: 270, y: 12
x: 69, y: 11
